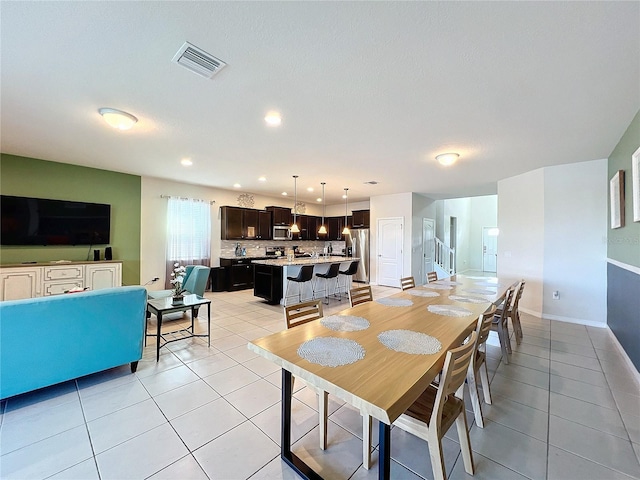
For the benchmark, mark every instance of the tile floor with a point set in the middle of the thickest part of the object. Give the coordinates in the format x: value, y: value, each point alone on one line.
x: 565, y: 407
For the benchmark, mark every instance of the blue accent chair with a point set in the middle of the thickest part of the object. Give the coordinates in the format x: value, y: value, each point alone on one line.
x: 195, y: 281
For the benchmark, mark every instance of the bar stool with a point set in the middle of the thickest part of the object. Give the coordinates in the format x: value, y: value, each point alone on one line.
x: 332, y: 273
x: 350, y: 272
x: 304, y: 275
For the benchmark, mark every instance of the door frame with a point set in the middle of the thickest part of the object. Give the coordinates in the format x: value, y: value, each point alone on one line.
x: 379, y: 248
x: 431, y: 247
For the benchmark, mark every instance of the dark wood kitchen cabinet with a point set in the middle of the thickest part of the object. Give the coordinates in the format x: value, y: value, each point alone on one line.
x: 281, y: 215
x: 245, y: 224
x: 361, y: 218
x: 239, y: 273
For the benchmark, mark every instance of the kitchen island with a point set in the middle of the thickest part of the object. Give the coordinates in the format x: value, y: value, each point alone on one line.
x: 270, y: 276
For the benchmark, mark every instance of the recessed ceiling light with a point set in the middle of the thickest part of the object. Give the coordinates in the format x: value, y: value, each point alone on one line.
x: 262, y: 179
x: 236, y: 185
x: 273, y: 118
x: 447, y: 159
x: 318, y: 199
x: 284, y: 194
x: 117, y: 118
x: 309, y: 189
x: 186, y: 162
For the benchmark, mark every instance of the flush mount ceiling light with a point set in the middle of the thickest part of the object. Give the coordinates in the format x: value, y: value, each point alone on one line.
x: 323, y: 229
x: 447, y: 159
x: 186, y: 162
x: 117, y: 118
x: 273, y: 118
x: 294, y: 227
x: 345, y: 230
x: 236, y: 185
x: 262, y: 179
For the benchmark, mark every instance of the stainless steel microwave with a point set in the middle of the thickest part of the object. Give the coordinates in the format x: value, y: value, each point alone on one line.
x: 281, y: 232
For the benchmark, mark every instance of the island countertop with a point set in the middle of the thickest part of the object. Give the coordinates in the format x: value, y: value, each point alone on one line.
x: 283, y: 262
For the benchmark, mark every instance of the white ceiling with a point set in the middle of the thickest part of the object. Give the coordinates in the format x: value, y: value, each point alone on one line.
x: 367, y: 90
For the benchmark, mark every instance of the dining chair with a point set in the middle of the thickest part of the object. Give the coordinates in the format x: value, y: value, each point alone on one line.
x: 500, y: 323
x: 479, y: 365
x: 407, y: 282
x: 437, y: 408
x: 360, y: 295
x: 432, y: 277
x: 513, y: 312
x: 296, y: 315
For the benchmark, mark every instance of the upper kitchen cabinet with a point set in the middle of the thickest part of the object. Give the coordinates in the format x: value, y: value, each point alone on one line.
x: 281, y: 215
x: 361, y: 218
x: 245, y: 224
x: 334, y: 228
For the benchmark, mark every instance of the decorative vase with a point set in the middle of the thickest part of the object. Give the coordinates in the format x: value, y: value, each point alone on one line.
x: 177, y: 299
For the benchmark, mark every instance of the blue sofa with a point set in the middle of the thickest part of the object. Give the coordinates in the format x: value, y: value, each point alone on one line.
x: 48, y: 340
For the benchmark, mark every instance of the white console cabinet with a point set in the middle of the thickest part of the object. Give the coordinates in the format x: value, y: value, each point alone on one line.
x: 41, y: 280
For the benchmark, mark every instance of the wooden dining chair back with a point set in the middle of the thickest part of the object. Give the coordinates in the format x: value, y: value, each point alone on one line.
x: 299, y: 314
x: 432, y: 277
x: 302, y: 313
x: 479, y: 365
x: 438, y: 407
x: 360, y: 295
x: 500, y: 323
x: 407, y: 282
x: 514, y: 312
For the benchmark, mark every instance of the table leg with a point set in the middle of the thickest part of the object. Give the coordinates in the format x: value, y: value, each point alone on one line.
x: 384, y: 457
x: 159, y: 317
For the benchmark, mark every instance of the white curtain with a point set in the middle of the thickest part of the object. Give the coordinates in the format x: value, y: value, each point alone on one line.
x: 188, y: 233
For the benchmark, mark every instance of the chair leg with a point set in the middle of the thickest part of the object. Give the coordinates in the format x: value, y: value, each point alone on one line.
x: 465, y: 443
x: 507, y: 336
x: 517, y: 327
x: 323, y: 401
x: 503, y: 344
x: 366, y: 441
x: 475, y: 399
x: 484, y: 378
x: 437, y: 456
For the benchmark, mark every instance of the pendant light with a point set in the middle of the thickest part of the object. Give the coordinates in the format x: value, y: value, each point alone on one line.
x: 323, y: 229
x: 345, y: 230
x: 294, y: 227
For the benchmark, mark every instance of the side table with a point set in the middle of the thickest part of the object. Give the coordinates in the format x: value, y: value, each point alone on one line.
x: 162, y: 306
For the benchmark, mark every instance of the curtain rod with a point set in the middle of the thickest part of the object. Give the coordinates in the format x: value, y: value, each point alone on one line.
x: 211, y: 202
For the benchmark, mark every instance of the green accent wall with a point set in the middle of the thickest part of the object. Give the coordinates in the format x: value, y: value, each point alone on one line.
x: 29, y: 177
x: 624, y: 243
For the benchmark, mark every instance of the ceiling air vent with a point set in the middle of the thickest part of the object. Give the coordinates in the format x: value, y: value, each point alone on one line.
x: 371, y: 182
x: 198, y: 61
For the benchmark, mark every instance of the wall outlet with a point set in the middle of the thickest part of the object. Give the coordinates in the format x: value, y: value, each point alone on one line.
x: 556, y: 294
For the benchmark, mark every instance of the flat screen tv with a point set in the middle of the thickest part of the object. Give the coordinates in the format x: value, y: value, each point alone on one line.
x: 38, y: 221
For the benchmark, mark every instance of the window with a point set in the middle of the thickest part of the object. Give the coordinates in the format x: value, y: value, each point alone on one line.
x: 188, y: 233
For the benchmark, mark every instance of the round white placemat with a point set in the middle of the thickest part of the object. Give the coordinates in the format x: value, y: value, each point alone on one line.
x: 488, y: 284
x: 449, y: 310
x: 468, y: 299
x: 331, y: 351
x: 480, y: 291
x: 421, y: 293
x: 345, y: 323
x: 408, y: 341
x: 437, y: 286
x: 395, y: 302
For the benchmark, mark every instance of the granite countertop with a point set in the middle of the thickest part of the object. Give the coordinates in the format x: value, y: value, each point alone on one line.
x: 250, y: 257
x: 283, y: 262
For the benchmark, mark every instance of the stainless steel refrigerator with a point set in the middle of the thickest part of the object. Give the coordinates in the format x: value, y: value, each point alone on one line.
x: 358, y: 240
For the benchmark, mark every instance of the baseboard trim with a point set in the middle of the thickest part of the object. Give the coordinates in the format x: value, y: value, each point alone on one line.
x: 531, y: 312
x: 632, y: 367
x: 578, y: 321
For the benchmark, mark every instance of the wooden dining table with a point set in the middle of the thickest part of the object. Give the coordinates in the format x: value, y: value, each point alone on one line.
x: 384, y: 382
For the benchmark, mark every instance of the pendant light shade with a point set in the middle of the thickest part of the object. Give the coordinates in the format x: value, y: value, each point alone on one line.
x: 294, y: 226
x: 345, y: 230
x: 323, y: 228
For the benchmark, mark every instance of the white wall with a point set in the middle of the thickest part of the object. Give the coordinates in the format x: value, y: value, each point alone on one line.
x: 422, y: 207
x: 521, y: 239
x: 575, y: 250
x: 484, y: 213
x: 553, y: 228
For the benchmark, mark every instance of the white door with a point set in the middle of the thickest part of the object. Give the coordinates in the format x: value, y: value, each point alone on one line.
x: 428, y: 246
x: 389, y: 251
x: 490, y: 249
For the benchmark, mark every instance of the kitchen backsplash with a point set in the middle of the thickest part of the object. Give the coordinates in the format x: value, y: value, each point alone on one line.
x: 255, y: 248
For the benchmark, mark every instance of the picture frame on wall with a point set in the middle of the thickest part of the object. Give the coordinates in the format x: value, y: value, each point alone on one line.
x: 616, y: 199
x: 635, y: 184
